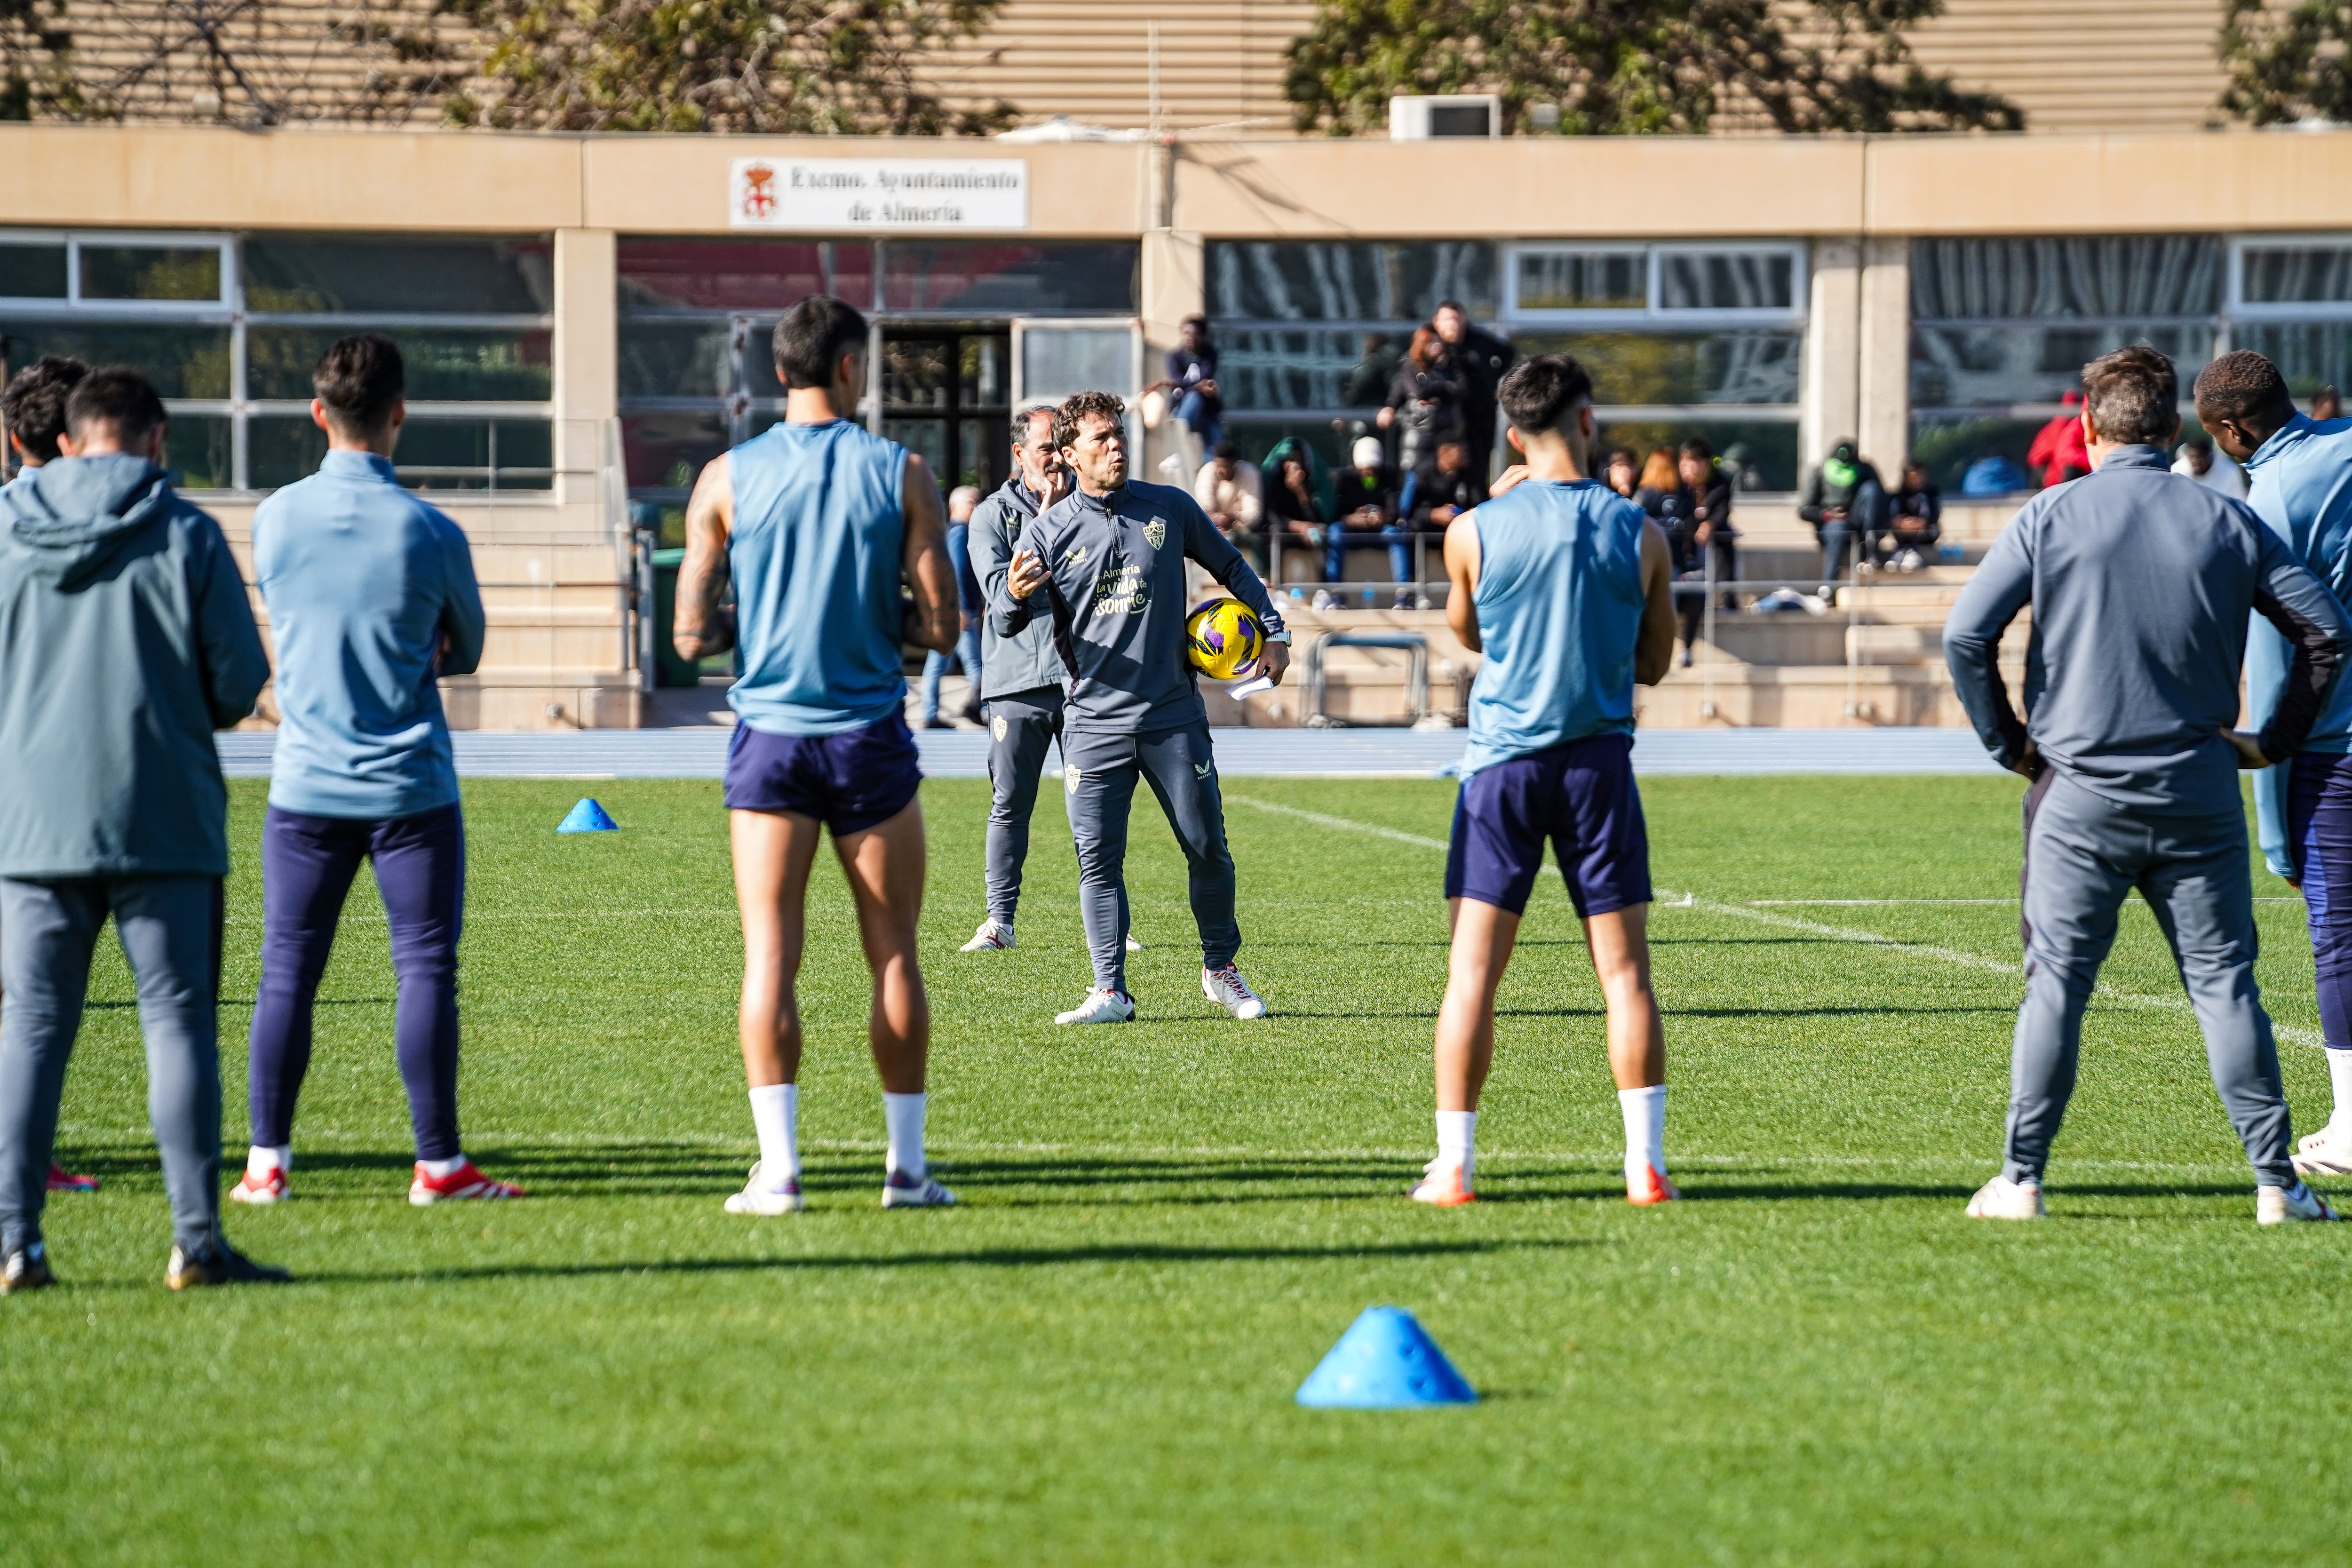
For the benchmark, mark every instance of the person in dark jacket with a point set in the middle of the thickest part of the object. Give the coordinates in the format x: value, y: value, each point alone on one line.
x: 1673, y: 504
x: 1710, y: 485
x: 1369, y: 493
x: 1845, y: 500
x: 1298, y: 495
x: 1191, y: 382
x: 1480, y: 358
x: 128, y: 639
x: 1424, y: 401
x: 1441, y: 488
x: 1915, y: 521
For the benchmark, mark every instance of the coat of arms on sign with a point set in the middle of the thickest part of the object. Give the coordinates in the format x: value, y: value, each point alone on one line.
x: 758, y: 198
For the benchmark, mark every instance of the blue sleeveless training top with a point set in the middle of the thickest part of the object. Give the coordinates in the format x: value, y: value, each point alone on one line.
x: 816, y: 551
x: 1560, y: 606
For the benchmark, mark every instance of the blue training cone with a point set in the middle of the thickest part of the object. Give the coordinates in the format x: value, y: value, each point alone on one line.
x: 1385, y: 1361
x: 588, y: 818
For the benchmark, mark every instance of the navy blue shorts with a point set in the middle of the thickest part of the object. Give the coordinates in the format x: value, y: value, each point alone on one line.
x: 849, y: 782
x: 1581, y: 797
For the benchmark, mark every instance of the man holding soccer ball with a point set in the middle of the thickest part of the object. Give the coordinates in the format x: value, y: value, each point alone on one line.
x: 1109, y: 560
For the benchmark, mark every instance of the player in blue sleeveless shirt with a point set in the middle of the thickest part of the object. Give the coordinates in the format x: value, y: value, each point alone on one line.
x: 818, y: 521
x: 1565, y: 587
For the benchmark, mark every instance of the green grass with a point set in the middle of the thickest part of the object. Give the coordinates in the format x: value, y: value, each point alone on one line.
x: 1816, y: 1360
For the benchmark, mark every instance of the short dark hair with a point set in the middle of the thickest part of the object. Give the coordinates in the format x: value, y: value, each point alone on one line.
x: 1226, y: 451
x: 33, y: 406
x: 359, y: 378
x: 2134, y: 395
x: 1699, y: 450
x: 1542, y: 394
x: 1083, y: 405
x: 812, y: 338
x: 2243, y: 385
x: 1456, y: 306
x: 118, y: 396
x: 1195, y: 321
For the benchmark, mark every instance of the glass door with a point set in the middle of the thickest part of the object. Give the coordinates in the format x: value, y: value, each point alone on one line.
x: 947, y: 395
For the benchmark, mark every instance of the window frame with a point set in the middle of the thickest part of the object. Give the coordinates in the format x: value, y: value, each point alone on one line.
x: 1653, y: 314
x: 230, y: 311
x: 2235, y: 307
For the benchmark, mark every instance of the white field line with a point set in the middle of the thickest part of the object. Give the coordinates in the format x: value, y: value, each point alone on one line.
x: 1607, y: 1159
x: 2010, y: 967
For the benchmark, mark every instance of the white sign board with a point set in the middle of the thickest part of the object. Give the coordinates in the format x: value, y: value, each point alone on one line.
x: 835, y: 193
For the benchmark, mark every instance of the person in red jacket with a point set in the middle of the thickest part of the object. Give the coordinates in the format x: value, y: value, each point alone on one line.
x: 2058, y: 453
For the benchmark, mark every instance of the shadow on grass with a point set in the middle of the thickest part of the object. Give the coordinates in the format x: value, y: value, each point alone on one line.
x: 981, y: 1258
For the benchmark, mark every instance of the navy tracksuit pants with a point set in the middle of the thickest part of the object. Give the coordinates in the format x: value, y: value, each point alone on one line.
x: 2319, y: 833
x: 307, y: 864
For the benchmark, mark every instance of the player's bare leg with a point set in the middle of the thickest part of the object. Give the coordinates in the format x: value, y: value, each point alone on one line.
x: 885, y: 865
x: 773, y: 851
x: 1620, y: 943
x: 1484, y: 935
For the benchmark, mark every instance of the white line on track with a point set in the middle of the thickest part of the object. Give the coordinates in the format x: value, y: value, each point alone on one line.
x: 2003, y: 966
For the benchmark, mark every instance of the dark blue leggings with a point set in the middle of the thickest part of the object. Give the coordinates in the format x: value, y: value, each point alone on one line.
x: 306, y: 867
x: 2320, y: 835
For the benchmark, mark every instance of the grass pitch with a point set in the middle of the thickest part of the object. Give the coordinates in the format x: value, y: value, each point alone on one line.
x: 1815, y: 1360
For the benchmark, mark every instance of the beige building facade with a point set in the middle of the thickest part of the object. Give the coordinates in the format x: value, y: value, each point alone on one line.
x: 584, y: 319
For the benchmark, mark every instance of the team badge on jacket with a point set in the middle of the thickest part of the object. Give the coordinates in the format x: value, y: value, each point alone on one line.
x: 1155, y: 533
x: 1001, y: 726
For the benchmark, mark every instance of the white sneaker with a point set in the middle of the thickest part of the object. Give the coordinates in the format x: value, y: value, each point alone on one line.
x: 1101, y: 1007
x: 757, y: 1197
x: 1228, y: 990
x: 991, y: 936
x: 2277, y: 1205
x: 2001, y: 1198
x: 1132, y: 945
x: 2325, y: 1153
x: 900, y: 1191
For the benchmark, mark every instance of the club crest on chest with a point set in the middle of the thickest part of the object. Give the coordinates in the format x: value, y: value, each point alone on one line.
x: 1155, y: 533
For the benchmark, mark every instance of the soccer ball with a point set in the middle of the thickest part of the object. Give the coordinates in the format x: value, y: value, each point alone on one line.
x: 1224, y: 638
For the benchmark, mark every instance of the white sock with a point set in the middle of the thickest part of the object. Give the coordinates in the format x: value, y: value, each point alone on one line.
x: 902, y: 1114
x: 264, y: 1158
x: 776, y: 1112
x: 1457, y: 1139
x: 448, y: 1167
x: 1645, y: 1129
x: 2339, y: 1077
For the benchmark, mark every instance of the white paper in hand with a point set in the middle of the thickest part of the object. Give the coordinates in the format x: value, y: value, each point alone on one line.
x: 1248, y: 684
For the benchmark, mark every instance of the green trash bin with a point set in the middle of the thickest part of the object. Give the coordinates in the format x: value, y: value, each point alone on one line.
x: 668, y: 669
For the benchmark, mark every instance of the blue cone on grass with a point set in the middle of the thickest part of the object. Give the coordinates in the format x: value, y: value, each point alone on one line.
x: 1386, y: 1360
x: 588, y: 817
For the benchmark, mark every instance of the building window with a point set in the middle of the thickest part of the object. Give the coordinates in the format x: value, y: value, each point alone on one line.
x: 228, y: 326
x: 2000, y: 330
x: 697, y: 317
x: 2290, y: 299
x: 1681, y: 340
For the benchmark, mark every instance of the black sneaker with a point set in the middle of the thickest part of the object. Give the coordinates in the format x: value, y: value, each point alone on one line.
x: 27, y: 1269
x: 219, y: 1263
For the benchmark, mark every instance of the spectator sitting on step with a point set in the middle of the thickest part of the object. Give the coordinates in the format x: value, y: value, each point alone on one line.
x: 1228, y: 490
x: 2059, y: 452
x: 1441, y: 488
x: 1191, y: 384
x: 1845, y: 500
x: 1295, y: 505
x: 1368, y: 512
x: 1915, y: 522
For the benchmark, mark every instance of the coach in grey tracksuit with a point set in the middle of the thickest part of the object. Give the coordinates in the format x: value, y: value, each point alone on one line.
x: 1021, y: 680
x: 1116, y: 592
x: 2141, y: 581
x: 126, y: 639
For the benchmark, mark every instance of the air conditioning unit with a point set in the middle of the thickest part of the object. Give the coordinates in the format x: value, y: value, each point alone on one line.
x: 1457, y: 114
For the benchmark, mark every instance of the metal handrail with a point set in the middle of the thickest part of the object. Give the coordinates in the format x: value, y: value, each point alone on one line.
x: 1416, y: 684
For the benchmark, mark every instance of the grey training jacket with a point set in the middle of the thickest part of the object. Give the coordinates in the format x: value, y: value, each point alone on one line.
x: 2140, y: 580
x: 1015, y: 662
x: 1117, y: 594
x: 126, y: 640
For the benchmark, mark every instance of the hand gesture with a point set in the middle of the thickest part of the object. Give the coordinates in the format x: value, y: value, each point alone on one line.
x: 2248, y: 747
x: 1026, y: 574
